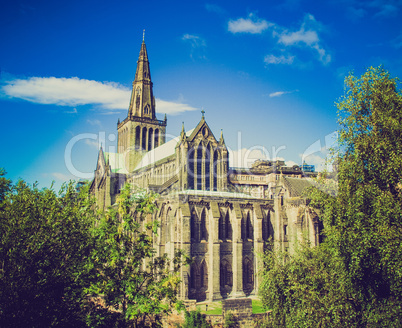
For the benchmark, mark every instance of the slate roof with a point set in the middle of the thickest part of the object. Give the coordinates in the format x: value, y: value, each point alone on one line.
x: 296, y: 186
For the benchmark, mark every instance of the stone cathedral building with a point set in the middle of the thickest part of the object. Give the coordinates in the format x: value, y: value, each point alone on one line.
x: 222, y: 217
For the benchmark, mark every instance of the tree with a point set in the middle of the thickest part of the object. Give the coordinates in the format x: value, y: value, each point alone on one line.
x: 130, y: 278
x: 362, y: 253
x: 5, y: 184
x: 44, y: 244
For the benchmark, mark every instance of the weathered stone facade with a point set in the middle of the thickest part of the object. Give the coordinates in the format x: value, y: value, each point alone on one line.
x: 221, y: 217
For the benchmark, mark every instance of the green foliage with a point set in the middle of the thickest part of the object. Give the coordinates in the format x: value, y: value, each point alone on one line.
x: 194, y: 319
x: 64, y: 264
x: 306, y: 289
x: 230, y: 321
x: 44, y: 246
x: 354, y: 279
x: 5, y: 184
x: 130, y: 277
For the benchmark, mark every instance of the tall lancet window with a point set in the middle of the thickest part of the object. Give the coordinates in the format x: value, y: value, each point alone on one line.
x: 203, y: 226
x: 199, y: 167
x: 156, y: 144
x: 208, y: 176
x: 215, y: 169
x: 190, y: 172
x: 144, y: 138
x: 137, y: 137
x: 150, y: 138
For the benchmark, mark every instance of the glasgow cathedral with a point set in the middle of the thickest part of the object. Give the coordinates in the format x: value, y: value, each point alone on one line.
x: 220, y: 216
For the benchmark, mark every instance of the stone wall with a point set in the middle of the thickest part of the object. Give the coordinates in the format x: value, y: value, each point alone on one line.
x: 240, y: 308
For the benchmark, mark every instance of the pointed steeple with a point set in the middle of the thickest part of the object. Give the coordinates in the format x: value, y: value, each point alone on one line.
x: 142, y: 102
x: 221, y: 140
x: 143, y: 72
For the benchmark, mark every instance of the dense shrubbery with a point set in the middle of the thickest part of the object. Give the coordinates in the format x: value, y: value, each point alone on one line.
x: 354, y: 279
x: 65, y: 264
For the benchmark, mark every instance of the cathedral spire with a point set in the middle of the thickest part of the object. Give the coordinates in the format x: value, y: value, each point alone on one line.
x: 142, y: 102
x: 221, y: 140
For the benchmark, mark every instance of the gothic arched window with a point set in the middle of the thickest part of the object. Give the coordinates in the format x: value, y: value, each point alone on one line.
x: 215, y: 170
x: 207, y: 165
x: 137, y: 137
x: 193, y: 276
x: 150, y: 138
x: 249, y: 227
x: 199, y: 161
x: 194, y: 226
x: 248, y: 274
x: 226, y: 275
x: 203, y: 227
x: 228, y: 227
x: 156, y: 144
x: 203, y: 275
x: 146, y: 109
x: 190, y: 170
x: 221, y: 228
x: 144, y: 138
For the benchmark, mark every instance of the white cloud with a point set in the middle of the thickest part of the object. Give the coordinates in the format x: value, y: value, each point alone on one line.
x: 72, y: 111
x: 306, y: 36
x: 69, y: 92
x: 278, y: 93
x: 72, y: 92
x: 252, y: 25
x: 272, y: 59
x: 172, y: 108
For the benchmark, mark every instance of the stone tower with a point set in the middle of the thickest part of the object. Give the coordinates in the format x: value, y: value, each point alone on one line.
x: 140, y: 131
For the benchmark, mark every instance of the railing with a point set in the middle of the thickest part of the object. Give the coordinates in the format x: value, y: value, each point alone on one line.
x: 143, y: 120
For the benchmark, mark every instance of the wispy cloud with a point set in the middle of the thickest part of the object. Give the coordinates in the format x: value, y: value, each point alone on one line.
x: 92, y: 143
x: 357, y: 9
x: 272, y: 59
x: 280, y: 93
x: 252, y: 24
x: 215, y: 8
x: 72, y: 111
x: 197, y: 44
x: 387, y: 10
x: 72, y: 92
x: 306, y: 36
x: 94, y: 122
x: 397, y: 42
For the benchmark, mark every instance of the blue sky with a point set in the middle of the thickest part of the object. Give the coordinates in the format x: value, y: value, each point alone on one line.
x: 266, y: 72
